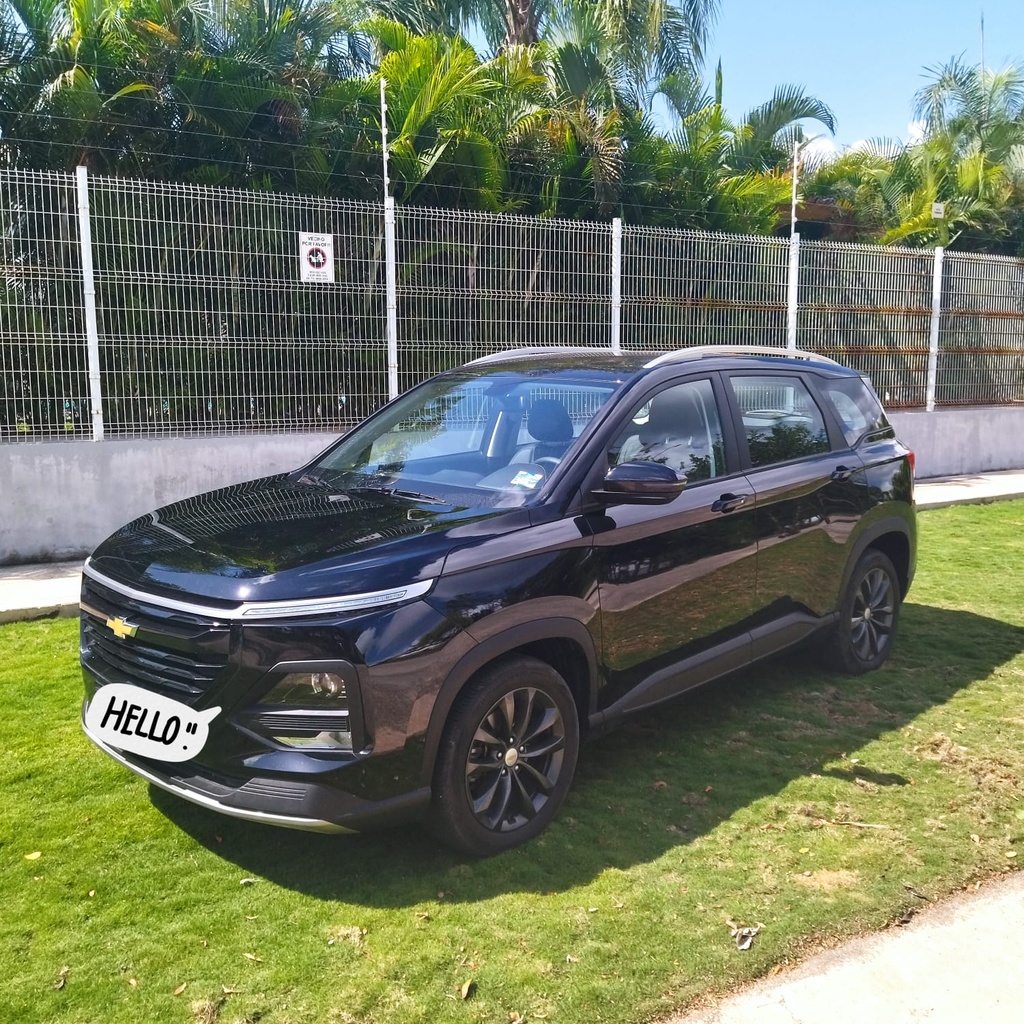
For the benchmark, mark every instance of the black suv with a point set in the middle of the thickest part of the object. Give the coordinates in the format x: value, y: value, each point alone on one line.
x: 424, y: 621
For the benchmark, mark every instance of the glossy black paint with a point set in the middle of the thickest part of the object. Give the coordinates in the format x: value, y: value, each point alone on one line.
x: 631, y: 602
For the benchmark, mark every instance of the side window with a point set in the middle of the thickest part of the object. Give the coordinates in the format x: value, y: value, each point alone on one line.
x: 859, y: 411
x: 680, y: 428
x: 780, y: 418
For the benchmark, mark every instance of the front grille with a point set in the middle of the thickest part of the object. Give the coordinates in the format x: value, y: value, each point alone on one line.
x: 174, y: 654
x: 184, y: 676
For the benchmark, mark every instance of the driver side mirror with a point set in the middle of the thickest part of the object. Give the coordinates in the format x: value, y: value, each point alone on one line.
x: 641, y: 483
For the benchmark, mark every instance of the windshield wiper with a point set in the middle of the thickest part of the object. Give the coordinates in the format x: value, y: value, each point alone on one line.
x: 312, y: 480
x: 397, y: 492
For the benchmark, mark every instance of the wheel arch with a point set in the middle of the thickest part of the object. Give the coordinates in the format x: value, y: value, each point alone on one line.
x: 891, y: 536
x: 564, y: 644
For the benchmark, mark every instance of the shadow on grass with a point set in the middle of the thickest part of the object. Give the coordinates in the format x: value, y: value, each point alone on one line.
x: 658, y: 782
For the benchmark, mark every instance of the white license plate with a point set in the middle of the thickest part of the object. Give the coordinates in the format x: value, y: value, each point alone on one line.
x: 142, y: 722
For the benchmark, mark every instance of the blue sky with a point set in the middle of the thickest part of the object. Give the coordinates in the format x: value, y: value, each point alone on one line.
x: 865, y: 59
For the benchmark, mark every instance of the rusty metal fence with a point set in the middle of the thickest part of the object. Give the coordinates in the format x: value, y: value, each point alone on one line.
x: 132, y: 308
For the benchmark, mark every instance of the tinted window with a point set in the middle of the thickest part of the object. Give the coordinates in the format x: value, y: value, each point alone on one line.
x: 780, y: 418
x: 857, y: 407
x: 680, y: 428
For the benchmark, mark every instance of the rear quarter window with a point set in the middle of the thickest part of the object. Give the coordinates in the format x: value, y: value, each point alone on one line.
x: 858, y: 410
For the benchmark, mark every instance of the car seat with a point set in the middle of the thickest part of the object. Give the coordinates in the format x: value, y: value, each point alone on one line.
x: 549, y: 425
x: 675, y: 433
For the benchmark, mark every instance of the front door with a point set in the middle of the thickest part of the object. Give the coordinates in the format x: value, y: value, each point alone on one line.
x: 676, y: 581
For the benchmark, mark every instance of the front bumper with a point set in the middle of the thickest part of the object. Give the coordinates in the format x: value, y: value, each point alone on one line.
x: 310, y: 807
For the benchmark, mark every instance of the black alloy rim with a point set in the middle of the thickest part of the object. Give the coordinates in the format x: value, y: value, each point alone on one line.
x: 515, y: 759
x: 873, y: 612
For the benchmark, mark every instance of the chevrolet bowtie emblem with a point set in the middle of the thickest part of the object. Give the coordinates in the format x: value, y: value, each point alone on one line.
x: 121, y: 629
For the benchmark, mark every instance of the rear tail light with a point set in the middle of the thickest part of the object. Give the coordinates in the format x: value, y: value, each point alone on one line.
x: 912, y: 459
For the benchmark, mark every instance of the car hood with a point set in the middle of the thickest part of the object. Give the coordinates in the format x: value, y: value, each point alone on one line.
x: 280, y: 539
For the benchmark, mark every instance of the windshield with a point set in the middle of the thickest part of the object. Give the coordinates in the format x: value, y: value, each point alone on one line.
x: 474, y: 441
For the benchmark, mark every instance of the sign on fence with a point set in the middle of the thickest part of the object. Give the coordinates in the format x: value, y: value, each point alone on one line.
x: 316, y: 258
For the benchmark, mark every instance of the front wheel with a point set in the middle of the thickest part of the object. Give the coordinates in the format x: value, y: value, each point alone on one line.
x: 868, y: 615
x: 506, y: 760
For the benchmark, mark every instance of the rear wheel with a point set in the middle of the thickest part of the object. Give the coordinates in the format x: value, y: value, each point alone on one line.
x: 868, y: 616
x: 507, y: 758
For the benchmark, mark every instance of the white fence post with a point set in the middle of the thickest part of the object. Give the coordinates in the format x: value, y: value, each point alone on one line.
x: 92, y: 334
x: 793, y: 290
x: 617, y: 285
x: 391, y: 275
x: 933, y: 332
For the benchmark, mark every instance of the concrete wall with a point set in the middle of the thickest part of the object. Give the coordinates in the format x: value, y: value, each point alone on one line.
x: 956, y: 442
x: 58, y: 501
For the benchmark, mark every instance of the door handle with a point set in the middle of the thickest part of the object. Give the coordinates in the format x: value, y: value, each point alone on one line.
x: 728, y: 502
x: 842, y: 473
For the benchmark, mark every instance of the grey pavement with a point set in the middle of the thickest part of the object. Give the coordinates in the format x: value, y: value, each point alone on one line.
x: 50, y: 590
x: 955, y: 963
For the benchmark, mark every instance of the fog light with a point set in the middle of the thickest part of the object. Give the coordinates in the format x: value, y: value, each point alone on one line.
x: 309, y: 710
x: 309, y: 689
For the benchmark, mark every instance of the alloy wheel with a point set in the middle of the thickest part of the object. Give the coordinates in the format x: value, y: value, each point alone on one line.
x: 874, y: 609
x: 515, y: 759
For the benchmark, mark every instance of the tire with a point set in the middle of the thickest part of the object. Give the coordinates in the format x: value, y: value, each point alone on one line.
x: 868, y: 616
x: 506, y: 759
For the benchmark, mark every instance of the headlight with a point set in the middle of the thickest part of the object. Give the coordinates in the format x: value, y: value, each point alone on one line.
x: 309, y: 710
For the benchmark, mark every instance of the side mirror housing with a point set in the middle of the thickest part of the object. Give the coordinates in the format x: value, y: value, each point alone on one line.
x: 641, y: 483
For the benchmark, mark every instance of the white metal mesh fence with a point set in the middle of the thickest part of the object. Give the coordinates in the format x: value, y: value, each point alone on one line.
x: 869, y: 307
x: 44, y: 383
x: 683, y: 288
x: 204, y: 325
x: 470, y: 284
x: 981, y: 339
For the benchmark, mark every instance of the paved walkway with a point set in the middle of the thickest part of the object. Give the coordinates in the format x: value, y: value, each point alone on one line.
x: 44, y: 591
x: 955, y: 963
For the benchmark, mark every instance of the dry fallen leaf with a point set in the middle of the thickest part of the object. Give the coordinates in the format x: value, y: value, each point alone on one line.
x: 62, y: 977
x: 661, y: 784
x: 1011, y: 853
x: 181, y: 988
x: 228, y: 991
x: 466, y: 988
x: 707, y: 789
x: 133, y: 982
x: 35, y: 855
x: 247, y: 881
x: 254, y: 957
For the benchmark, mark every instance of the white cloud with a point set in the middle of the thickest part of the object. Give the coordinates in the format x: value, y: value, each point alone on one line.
x: 818, y: 150
x: 915, y: 132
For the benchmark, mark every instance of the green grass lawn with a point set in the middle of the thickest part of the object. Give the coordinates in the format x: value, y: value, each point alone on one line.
x: 789, y: 797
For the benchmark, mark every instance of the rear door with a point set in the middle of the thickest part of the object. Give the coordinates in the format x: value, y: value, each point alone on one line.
x: 810, y: 496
